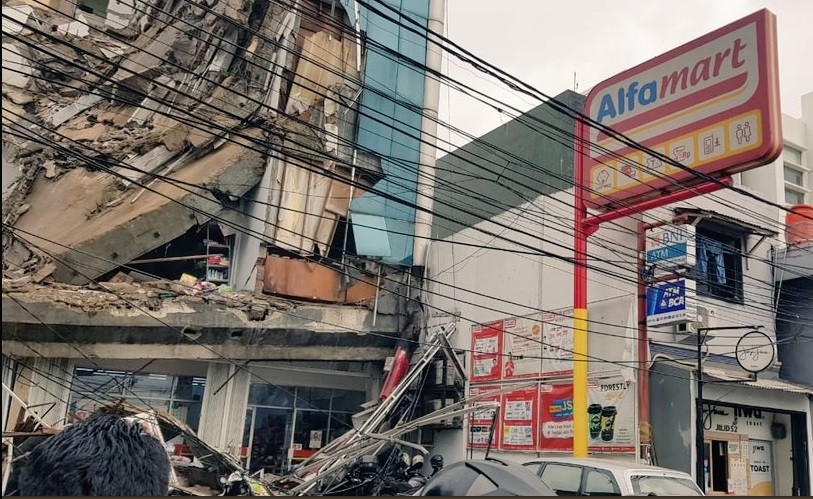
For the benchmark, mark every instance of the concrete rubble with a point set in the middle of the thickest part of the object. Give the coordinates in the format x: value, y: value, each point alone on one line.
x: 207, y: 94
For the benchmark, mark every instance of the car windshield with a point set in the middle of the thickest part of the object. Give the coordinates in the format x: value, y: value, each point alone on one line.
x: 664, y: 486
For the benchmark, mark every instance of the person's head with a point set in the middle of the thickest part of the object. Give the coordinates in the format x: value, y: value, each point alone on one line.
x: 106, y: 456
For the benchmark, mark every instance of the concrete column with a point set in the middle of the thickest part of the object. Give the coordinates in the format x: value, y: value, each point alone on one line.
x: 429, y: 128
x: 50, y: 389
x: 224, y: 407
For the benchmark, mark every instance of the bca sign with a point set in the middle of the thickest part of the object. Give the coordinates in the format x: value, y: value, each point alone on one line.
x: 711, y: 105
x: 670, y: 303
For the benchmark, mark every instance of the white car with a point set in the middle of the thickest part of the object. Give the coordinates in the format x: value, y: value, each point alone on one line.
x: 569, y: 476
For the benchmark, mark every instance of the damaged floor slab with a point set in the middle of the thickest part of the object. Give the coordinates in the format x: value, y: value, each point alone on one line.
x: 99, y: 323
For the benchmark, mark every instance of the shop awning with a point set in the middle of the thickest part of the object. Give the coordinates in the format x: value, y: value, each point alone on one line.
x: 764, y: 383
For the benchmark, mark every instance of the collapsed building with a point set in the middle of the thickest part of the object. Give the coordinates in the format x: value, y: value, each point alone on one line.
x: 209, y: 210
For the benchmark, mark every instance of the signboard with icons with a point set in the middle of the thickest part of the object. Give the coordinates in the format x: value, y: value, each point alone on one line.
x: 710, y: 105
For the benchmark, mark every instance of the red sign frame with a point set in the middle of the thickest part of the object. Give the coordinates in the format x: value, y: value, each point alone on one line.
x: 711, y: 105
x: 518, y: 419
x: 487, y: 349
x: 555, y: 415
x: 481, y: 423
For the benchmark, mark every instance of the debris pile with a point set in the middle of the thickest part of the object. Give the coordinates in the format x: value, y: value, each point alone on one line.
x: 184, y: 102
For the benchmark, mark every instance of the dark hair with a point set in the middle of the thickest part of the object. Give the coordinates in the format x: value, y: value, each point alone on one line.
x: 106, y: 456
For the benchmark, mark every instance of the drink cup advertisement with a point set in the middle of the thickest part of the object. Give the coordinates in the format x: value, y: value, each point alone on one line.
x: 480, y: 421
x: 519, y: 416
x: 522, y: 350
x: 611, y: 415
x: 486, y: 345
x: 556, y: 417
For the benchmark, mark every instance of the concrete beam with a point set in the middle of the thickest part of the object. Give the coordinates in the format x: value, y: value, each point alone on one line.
x: 194, y: 330
x: 64, y: 211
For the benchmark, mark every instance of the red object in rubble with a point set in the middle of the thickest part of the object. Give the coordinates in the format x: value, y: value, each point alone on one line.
x: 399, y: 368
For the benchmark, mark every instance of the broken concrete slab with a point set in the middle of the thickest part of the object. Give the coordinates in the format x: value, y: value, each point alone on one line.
x: 15, y: 18
x: 93, y: 133
x: 119, y: 14
x: 76, y: 107
x: 122, y: 233
x: 16, y: 66
x: 147, y: 163
x: 79, y: 27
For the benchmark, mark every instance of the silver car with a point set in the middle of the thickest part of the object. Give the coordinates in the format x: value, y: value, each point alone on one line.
x: 569, y: 476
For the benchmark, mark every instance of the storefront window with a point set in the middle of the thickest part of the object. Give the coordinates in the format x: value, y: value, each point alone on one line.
x: 285, y: 425
x: 271, y: 395
x: 179, y: 396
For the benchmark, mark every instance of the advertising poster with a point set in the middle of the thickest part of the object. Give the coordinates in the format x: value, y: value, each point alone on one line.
x: 518, y: 419
x: 611, y: 415
x: 557, y: 338
x: 486, y: 346
x: 522, y: 347
x: 556, y: 417
x: 480, y: 421
x: 761, y: 458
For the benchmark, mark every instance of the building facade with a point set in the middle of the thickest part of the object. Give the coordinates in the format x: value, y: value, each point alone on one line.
x: 229, y: 243
x: 507, y: 277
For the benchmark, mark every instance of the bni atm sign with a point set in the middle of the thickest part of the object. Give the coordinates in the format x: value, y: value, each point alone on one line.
x: 671, y: 302
x: 670, y: 247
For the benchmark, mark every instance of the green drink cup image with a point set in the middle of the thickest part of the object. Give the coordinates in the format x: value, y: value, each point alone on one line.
x: 608, y: 422
x: 594, y: 420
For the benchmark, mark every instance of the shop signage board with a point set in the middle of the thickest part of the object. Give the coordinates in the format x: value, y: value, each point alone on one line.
x: 480, y: 421
x: 486, y: 346
x: 557, y: 335
x: 671, y: 302
x: 611, y: 416
x: 670, y: 247
x: 522, y: 347
x: 710, y: 105
x: 518, y: 419
x: 556, y: 417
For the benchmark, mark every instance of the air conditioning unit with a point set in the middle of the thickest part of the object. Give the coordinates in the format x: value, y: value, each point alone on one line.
x: 686, y: 331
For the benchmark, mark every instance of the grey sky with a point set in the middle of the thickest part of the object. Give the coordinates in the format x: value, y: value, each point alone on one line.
x: 544, y: 42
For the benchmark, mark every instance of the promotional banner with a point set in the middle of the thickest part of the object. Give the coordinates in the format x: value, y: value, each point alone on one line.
x: 518, y: 419
x: 611, y: 415
x: 556, y: 417
x: 486, y: 345
x: 480, y: 421
x: 557, y: 337
x: 761, y: 458
x: 522, y: 347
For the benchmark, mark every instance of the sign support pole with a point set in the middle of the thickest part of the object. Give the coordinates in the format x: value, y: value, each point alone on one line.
x: 584, y: 226
x: 580, y: 234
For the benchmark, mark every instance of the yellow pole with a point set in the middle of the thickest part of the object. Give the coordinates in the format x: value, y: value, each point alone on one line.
x: 580, y: 422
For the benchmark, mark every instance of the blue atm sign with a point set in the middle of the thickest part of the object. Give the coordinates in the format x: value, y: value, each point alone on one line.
x: 670, y: 247
x: 670, y: 302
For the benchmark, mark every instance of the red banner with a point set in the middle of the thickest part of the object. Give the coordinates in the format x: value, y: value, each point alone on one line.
x: 520, y: 412
x: 556, y: 417
x: 480, y: 421
x: 486, y: 345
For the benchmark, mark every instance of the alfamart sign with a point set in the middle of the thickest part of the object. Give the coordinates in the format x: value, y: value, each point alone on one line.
x: 711, y: 105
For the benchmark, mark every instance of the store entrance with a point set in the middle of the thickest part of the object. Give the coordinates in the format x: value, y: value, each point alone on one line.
x: 267, y: 439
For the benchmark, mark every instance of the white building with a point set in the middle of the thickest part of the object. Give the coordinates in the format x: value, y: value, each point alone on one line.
x: 493, y: 269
